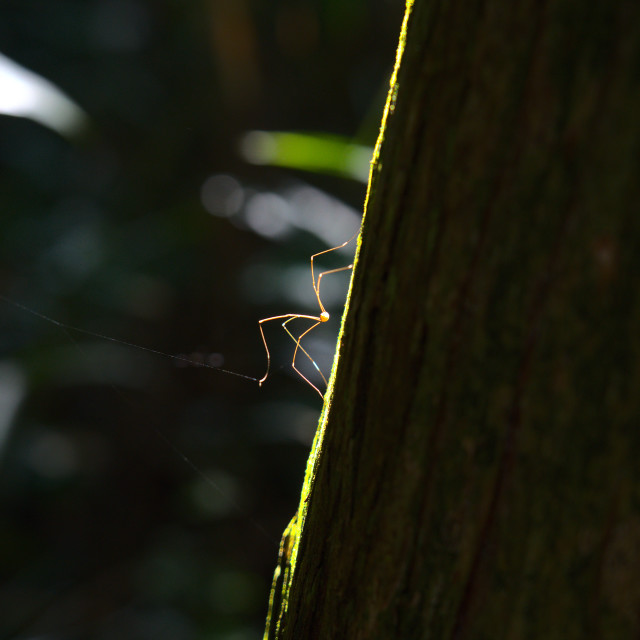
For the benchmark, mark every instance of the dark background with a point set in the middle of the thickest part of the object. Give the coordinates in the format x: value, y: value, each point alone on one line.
x: 140, y: 499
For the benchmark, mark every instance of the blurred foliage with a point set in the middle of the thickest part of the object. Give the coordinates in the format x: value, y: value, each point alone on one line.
x: 318, y: 153
x: 141, y: 499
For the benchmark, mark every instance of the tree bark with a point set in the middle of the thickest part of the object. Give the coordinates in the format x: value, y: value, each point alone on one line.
x: 476, y: 469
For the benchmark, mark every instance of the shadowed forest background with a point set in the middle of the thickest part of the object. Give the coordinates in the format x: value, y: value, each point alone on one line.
x: 144, y: 219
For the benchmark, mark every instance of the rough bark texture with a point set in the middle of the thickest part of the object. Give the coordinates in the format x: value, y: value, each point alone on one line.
x: 476, y: 471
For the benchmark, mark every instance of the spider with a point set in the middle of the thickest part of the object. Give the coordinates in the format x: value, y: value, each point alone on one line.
x: 317, y: 320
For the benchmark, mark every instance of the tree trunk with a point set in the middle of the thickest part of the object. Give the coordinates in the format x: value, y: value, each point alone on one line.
x: 475, y: 473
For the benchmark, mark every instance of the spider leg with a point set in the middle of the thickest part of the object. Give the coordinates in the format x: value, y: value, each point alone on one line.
x: 326, y: 273
x: 301, y: 348
x: 316, y: 283
x: 290, y: 316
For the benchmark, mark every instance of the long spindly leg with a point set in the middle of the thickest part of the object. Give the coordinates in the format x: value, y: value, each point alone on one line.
x: 301, y: 348
x: 316, y: 283
x: 285, y: 316
x: 326, y: 273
